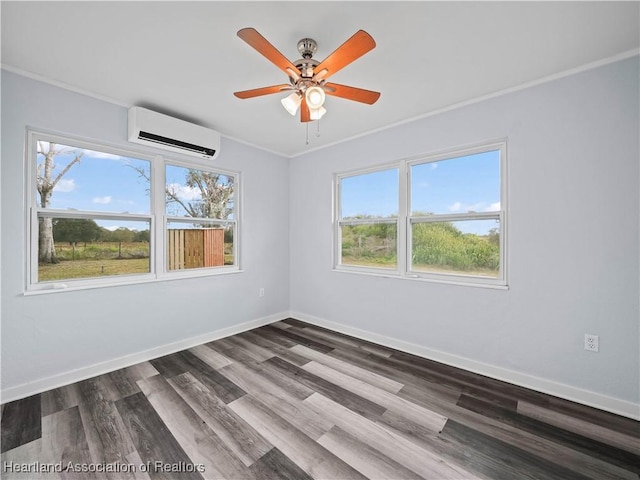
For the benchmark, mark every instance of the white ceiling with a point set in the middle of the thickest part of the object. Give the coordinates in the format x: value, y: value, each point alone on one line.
x: 184, y: 58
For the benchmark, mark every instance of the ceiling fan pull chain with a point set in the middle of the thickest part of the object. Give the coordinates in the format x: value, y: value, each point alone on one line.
x: 318, y: 130
x: 307, y: 141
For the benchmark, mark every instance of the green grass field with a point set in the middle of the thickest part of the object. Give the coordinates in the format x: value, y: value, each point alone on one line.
x: 438, y: 247
x: 98, y: 259
x: 102, y: 251
x: 70, y: 269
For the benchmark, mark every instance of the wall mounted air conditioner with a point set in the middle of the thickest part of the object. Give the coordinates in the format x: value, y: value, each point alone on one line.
x: 162, y: 131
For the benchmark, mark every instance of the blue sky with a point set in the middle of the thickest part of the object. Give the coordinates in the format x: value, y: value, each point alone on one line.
x: 470, y: 183
x: 101, y: 182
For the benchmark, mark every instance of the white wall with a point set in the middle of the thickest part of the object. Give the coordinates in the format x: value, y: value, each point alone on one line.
x: 573, y: 242
x: 47, y: 338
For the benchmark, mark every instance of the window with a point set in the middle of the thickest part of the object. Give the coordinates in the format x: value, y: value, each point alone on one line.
x: 99, y: 215
x: 193, y: 198
x: 439, y: 217
x: 368, y: 224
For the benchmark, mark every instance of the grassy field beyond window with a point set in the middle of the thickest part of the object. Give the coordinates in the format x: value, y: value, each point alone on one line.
x: 438, y: 247
x: 442, y: 247
x: 96, y: 259
x: 369, y: 245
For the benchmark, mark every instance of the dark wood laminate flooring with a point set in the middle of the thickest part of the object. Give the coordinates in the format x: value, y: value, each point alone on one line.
x: 295, y: 401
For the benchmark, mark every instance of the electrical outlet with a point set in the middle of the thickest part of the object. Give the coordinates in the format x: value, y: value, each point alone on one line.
x: 591, y: 342
x: 261, y: 292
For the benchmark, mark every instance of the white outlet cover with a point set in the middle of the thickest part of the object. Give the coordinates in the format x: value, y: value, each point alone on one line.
x: 591, y: 342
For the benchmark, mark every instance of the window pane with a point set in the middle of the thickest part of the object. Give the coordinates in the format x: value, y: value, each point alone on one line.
x: 80, y: 179
x: 457, y: 185
x: 199, y: 245
x: 470, y: 247
x: 85, y: 248
x: 370, y: 245
x: 199, y: 193
x: 370, y: 195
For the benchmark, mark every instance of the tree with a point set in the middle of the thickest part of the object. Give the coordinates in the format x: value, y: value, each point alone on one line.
x: 215, y: 195
x: 75, y: 230
x: 46, y: 182
x: 122, y: 234
x: 142, y: 236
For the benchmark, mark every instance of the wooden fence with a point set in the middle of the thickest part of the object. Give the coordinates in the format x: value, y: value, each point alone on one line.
x: 195, y: 248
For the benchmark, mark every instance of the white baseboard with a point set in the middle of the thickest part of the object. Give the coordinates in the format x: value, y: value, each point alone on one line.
x: 66, y: 378
x: 585, y: 397
x: 574, y: 394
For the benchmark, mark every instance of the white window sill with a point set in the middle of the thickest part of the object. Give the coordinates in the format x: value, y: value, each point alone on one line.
x: 420, y: 278
x: 75, y: 285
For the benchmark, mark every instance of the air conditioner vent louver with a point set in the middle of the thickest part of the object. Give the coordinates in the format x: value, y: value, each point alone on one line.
x: 162, y: 131
x: 176, y: 143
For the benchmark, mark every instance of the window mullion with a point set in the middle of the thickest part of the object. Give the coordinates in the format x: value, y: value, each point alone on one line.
x: 159, y: 222
x: 33, y: 254
x: 366, y: 221
x: 402, y: 247
x: 456, y: 217
x: 503, y: 245
x: 336, y: 258
x: 203, y: 220
x: 94, y: 215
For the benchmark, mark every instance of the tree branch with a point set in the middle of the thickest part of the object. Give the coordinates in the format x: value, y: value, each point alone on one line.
x: 197, y: 179
x: 176, y: 199
x: 66, y: 169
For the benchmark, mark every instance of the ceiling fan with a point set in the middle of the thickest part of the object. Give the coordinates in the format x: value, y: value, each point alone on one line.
x: 308, y: 77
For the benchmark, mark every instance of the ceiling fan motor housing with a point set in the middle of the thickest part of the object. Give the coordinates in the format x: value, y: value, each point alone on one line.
x: 307, y: 47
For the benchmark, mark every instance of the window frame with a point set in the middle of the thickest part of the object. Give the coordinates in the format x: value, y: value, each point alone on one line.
x: 193, y: 272
x: 157, y: 217
x: 339, y: 222
x: 406, y: 220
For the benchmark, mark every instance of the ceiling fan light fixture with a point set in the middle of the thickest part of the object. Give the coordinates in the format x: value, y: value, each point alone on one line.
x: 317, y: 113
x: 291, y: 103
x: 315, y: 97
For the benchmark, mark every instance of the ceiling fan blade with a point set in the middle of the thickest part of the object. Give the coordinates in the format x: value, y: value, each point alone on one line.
x: 256, y: 92
x: 262, y: 45
x: 351, y: 93
x: 305, y: 113
x: 359, y: 44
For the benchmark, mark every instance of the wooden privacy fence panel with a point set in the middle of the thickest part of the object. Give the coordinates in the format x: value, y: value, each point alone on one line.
x: 175, y: 249
x: 195, y: 248
x: 213, y: 247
